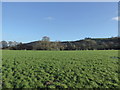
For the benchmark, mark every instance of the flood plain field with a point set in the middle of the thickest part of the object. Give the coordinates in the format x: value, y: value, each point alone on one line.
x: 60, y: 69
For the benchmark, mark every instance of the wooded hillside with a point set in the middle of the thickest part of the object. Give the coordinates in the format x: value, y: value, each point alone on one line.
x: 85, y: 44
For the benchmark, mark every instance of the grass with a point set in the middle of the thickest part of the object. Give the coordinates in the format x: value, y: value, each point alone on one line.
x: 60, y: 69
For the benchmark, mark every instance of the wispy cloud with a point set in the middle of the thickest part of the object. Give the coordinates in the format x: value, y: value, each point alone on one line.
x: 49, y: 18
x: 116, y: 18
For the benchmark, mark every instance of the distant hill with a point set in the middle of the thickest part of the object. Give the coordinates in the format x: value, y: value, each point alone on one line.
x: 84, y: 44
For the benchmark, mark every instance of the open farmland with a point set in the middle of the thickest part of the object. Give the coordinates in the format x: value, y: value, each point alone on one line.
x: 60, y: 69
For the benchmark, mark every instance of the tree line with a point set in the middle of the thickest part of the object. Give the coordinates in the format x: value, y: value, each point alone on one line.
x: 5, y: 44
x: 85, y: 44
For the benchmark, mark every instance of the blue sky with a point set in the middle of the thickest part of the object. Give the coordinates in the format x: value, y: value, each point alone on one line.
x: 26, y: 22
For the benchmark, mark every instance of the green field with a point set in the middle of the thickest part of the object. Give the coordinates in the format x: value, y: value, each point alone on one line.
x: 60, y: 69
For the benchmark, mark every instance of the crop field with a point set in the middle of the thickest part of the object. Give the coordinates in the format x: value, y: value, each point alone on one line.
x: 60, y: 69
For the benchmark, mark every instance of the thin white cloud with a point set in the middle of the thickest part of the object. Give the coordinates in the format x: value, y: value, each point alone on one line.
x: 49, y: 18
x: 116, y: 18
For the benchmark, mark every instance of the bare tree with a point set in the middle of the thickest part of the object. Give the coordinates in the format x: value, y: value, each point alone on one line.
x: 4, y: 44
x: 45, y: 38
x: 10, y: 43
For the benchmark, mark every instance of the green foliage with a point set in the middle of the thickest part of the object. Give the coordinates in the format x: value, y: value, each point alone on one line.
x: 60, y: 69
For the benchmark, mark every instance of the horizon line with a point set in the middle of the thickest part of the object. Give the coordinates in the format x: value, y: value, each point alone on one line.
x: 64, y: 40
